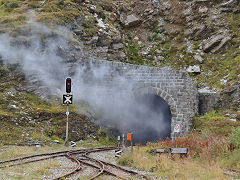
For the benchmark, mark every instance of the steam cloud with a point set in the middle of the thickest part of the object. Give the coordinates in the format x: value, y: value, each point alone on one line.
x: 39, y: 53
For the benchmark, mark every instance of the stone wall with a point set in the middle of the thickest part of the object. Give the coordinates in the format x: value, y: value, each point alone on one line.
x: 175, y: 87
x: 207, y: 102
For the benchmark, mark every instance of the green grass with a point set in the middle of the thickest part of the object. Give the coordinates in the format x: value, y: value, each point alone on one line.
x: 165, y: 167
x: 14, y: 13
x: 215, y: 123
x: 232, y: 160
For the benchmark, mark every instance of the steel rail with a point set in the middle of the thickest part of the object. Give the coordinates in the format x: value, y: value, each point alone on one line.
x: 78, y: 162
x: 32, y: 156
x: 51, y: 155
x: 31, y: 161
x: 101, y: 169
x: 96, y: 167
x: 123, y: 169
x: 70, y: 155
x: 77, y: 167
x: 115, y: 166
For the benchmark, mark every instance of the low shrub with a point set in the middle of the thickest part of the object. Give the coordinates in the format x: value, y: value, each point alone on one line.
x: 10, y: 5
x: 199, y: 145
x: 125, y: 161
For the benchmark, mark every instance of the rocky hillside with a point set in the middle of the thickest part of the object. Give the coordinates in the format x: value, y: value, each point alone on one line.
x: 27, y: 118
x: 201, y: 36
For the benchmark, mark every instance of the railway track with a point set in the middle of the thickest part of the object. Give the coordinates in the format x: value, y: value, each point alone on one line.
x: 45, y: 156
x: 110, y: 169
x: 81, y: 158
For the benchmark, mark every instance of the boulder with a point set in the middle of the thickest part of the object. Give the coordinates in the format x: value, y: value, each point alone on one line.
x: 78, y: 31
x: 194, y: 69
x: 117, y: 46
x: 198, y: 58
x: 93, y: 40
x: 216, y: 43
x: 131, y: 21
x: 160, y: 58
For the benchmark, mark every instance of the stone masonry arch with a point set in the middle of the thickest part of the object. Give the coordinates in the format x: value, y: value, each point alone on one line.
x: 174, y: 86
x: 175, y: 112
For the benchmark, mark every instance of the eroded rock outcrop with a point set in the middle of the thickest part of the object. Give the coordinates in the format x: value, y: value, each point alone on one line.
x: 216, y: 43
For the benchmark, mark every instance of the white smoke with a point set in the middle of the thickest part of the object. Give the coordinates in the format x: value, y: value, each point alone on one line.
x: 38, y: 53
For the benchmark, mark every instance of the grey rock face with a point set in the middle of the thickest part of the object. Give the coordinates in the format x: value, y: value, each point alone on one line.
x: 207, y: 102
x: 224, y: 41
x: 116, y: 39
x: 104, y: 40
x: 230, y: 3
x: 231, y: 97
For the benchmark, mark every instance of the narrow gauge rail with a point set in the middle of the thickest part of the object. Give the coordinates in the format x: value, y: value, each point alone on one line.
x: 75, y: 156
x: 78, y: 167
x: 101, y: 167
x: 45, y: 156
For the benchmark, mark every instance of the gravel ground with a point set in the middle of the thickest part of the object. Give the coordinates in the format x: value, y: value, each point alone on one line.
x: 109, y: 156
x: 86, y: 172
x: 66, y: 166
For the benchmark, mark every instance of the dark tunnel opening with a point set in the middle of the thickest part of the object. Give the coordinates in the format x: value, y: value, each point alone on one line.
x: 154, y: 119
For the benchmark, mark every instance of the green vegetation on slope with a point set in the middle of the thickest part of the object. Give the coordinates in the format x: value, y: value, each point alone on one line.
x: 24, y: 116
x: 14, y: 13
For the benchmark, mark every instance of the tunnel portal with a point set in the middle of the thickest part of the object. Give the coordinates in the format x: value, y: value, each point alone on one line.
x: 155, y: 87
x: 154, y: 119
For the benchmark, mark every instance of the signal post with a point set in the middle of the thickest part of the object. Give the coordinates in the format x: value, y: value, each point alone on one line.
x: 67, y: 99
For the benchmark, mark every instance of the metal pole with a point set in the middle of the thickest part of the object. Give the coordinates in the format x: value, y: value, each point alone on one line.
x: 118, y: 142
x: 132, y: 144
x: 123, y: 140
x: 66, y: 139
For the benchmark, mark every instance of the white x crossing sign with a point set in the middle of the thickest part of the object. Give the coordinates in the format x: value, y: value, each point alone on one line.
x: 67, y: 99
